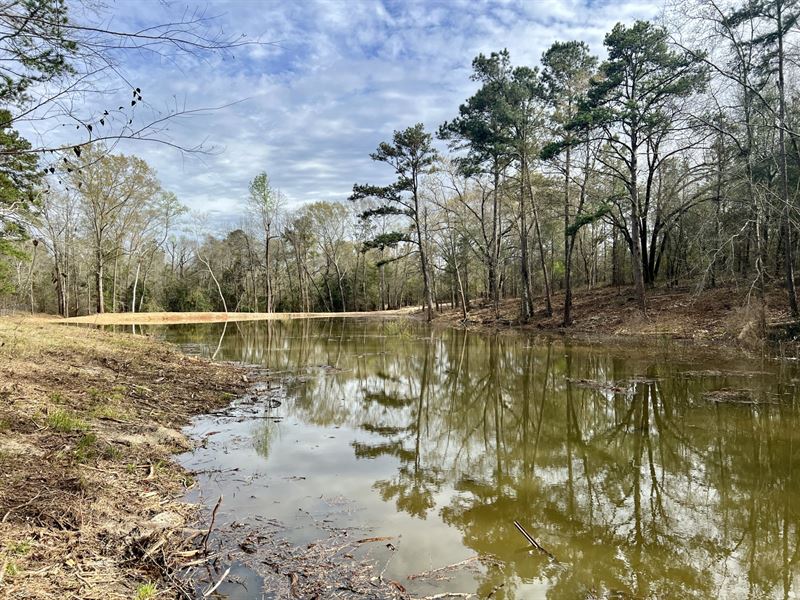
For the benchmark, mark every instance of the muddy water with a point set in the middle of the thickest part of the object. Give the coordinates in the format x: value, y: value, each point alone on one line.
x: 641, y: 473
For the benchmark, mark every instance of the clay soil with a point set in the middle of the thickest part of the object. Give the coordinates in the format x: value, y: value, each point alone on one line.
x: 724, y: 317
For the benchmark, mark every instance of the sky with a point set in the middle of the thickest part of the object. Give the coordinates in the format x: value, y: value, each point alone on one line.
x: 331, y: 80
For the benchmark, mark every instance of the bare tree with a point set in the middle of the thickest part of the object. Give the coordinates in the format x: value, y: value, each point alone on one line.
x: 266, y: 203
x: 110, y: 185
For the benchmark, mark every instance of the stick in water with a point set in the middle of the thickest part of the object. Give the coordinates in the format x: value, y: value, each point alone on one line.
x: 211, y: 525
x: 533, y: 542
x: 210, y: 591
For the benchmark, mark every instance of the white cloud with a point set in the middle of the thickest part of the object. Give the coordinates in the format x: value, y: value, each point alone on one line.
x: 341, y: 76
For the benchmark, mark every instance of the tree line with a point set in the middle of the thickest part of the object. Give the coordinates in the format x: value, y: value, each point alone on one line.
x: 659, y: 163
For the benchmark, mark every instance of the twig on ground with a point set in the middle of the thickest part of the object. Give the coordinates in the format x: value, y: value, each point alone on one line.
x: 426, y: 574
x: 23, y: 505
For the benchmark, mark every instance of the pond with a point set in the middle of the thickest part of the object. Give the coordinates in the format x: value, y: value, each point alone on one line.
x: 654, y: 472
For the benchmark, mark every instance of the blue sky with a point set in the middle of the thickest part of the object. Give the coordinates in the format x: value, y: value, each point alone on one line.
x: 338, y: 78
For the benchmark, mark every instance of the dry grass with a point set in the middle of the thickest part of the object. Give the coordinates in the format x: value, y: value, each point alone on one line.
x: 87, y: 489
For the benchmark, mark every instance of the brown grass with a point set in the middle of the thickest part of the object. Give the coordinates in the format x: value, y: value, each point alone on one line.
x: 87, y: 490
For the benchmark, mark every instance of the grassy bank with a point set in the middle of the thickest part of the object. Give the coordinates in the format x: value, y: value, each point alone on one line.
x: 89, y: 498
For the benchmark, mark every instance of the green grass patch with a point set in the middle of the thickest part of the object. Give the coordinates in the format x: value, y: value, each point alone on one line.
x: 146, y: 591
x: 89, y: 448
x: 86, y: 448
x: 97, y: 395
x: 109, y: 411
x: 113, y: 453
x: 20, y: 548
x: 11, y: 569
x: 65, y: 422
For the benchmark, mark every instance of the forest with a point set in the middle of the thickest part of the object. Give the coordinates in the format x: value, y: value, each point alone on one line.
x: 670, y: 159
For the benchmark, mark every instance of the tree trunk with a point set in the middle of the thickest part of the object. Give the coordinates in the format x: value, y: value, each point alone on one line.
x: 526, y: 308
x: 423, y: 257
x: 542, y: 254
x: 30, y: 275
x: 714, y: 266
x: 569, y: 241
x: 462, y: 295
x: 786, y: 224
x: 383, y: 285
x: 267, y: 275
x: 494, y: 258
x: 135, y: 284
x: 340, y: 277
x: 114, y: 283
x: 60, y: 285
x: 98, y: 281
x: 214, y: 278
x: 636, y: 242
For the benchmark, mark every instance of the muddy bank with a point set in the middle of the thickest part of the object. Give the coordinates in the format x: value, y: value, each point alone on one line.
x: 90, y: 500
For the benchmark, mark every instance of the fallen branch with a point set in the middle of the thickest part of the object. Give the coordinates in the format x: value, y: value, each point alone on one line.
x: 155, y: 547
x: 375, y: 539
x: 199, y: 561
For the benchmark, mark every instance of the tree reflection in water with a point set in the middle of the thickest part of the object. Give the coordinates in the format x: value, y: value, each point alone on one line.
x: 616, y: 460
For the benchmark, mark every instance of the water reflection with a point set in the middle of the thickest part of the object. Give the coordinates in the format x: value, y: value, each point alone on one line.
x: 644, y: 476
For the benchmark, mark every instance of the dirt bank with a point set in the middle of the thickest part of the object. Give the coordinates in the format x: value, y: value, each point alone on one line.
x: 89, y: 499
x: 723, y: 316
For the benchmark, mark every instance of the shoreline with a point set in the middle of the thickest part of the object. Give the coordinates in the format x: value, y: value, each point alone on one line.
x: 91, y: 498
x: 722, y: 318
x: 719, y: 320
x: 171, y: 318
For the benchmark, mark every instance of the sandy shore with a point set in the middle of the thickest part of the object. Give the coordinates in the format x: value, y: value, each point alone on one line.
x: 165, y: 318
